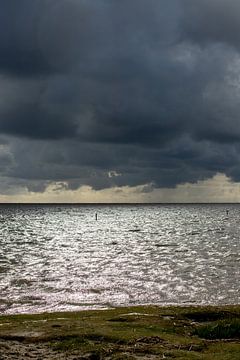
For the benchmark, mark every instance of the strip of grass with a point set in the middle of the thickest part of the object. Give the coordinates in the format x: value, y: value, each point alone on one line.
x: 128, y: 333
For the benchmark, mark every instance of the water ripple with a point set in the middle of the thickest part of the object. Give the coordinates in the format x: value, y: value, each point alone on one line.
x: 61, y: 258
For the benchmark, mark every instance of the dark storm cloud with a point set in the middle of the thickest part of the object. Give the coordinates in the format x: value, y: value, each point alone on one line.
x: 148, y: 89
x: 19, y: 51
x: 35, y: 122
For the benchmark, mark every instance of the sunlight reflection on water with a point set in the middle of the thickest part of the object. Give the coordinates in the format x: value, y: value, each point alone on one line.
x: 61, y: 258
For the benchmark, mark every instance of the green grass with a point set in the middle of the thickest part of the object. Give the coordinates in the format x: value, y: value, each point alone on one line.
x: 225, y: 329
x: 187, y: 333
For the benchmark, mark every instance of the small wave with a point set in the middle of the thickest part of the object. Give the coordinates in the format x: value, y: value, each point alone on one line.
x: 21, y: 282
x: 166, y: 245
x: 4, y: 269
x: 113, y: 243
x: 96, y: 291
x: 31, y: 298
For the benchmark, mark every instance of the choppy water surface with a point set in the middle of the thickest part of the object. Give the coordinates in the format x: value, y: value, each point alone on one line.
x: 61, y: 258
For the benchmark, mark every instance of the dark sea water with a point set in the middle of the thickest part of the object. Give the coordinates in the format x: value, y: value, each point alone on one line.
x: 55, y: 258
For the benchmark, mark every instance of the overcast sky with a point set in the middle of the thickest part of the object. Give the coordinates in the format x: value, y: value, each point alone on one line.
x: 119, y: 100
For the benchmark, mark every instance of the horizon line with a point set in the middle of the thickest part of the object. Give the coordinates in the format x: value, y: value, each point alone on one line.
x: 119, y: 203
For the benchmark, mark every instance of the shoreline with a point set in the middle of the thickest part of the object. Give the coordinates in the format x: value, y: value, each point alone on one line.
x: 80, y: 309
x: 137, y: 332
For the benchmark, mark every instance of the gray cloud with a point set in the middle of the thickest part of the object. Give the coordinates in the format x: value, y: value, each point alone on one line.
x: 148, y: 89
x: 212, y: 21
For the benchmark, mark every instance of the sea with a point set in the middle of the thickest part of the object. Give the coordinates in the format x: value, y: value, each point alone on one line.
x: 78, y: 257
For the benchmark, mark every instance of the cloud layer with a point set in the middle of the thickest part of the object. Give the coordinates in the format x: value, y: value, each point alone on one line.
x: 118, y: 93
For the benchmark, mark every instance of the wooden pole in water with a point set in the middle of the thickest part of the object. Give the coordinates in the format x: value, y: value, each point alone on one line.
x: 96, y: 216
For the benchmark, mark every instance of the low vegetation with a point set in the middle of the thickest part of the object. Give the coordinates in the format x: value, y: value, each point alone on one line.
x: 146, y: 332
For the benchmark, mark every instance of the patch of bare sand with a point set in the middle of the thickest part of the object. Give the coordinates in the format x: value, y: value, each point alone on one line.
x: 16, y: 350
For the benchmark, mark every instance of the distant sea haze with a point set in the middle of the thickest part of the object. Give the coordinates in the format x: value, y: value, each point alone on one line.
x: 75, y: 257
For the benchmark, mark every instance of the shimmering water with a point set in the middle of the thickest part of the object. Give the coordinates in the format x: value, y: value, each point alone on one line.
x: 61, y: 258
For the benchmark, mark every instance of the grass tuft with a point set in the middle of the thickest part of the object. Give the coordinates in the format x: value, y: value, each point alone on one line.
x: 222, y: 330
